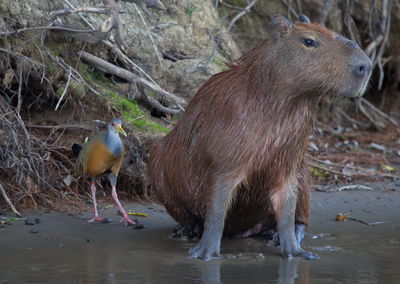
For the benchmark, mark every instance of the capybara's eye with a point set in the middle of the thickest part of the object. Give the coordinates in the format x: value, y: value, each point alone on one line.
x: 309, y: 42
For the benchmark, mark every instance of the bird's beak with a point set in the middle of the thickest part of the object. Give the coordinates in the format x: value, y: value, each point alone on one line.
x: 121, y: 130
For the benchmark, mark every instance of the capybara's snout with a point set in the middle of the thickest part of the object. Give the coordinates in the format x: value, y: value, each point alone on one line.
x: 361, y: 70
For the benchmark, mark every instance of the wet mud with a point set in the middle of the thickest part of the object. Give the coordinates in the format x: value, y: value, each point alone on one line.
x: 66, y: 249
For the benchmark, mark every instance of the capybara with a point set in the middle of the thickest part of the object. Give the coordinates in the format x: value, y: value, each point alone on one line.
x: 235, y: 160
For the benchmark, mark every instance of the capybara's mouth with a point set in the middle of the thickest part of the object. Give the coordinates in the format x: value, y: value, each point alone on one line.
x: 360, y: 91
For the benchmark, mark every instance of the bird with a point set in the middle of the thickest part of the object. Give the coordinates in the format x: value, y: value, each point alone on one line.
x: 103, y: 154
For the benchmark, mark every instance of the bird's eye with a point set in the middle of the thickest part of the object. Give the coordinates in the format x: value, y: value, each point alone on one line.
x: 309, y: 42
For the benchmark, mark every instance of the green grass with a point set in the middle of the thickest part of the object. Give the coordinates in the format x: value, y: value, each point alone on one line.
x: 221, y: 64
x: 132, y: 113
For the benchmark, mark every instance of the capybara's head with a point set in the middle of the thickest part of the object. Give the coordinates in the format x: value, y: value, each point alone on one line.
x: 316, y: 59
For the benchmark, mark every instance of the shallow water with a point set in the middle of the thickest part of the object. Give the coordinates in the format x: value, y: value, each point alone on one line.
x: 67, y: 249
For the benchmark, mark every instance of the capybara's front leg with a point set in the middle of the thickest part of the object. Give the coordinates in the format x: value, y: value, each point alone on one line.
x: 284, y: 203
x: 210, y: 242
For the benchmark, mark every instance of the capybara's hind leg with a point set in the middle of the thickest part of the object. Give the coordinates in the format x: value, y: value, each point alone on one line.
x: 210, y: 242
x: 284, y: 204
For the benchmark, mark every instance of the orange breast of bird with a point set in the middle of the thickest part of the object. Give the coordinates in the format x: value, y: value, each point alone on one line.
x: 97, y: 159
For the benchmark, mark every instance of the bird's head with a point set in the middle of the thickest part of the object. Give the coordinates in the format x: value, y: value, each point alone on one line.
x: 115, y: 125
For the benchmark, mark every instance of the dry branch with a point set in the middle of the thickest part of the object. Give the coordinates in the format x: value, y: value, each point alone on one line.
x: 325, y: 11
x: 129, y: 76
x: 57, y: 28
x: 8, y: 201
x: 241, y: 14
x: 69, y: 11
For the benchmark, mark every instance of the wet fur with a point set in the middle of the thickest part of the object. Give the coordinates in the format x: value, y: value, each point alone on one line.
x: 247, y: 128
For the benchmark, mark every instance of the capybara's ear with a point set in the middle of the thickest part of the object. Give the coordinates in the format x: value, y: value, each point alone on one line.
x: 279, y: 26
x: 303, y: 19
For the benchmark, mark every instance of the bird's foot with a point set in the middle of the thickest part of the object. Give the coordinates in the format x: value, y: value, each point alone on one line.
x: 98, y: 219
x: 126, y: 221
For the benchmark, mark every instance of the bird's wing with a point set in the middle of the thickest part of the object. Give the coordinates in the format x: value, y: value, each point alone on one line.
x: 81, y: 165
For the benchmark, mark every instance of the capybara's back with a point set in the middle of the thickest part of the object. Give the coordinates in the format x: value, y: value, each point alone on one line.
x: 236, y: 158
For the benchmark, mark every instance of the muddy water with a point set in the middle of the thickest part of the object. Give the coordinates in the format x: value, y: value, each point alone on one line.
x: 69, y: 250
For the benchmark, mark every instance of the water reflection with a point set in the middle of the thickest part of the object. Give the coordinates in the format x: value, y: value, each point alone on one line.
x: 210, y: 272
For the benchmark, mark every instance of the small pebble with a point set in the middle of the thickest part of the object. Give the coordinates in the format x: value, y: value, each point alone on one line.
x: 34, y: 231
x: 106, y: 221
x: 5, y: 222
x: 29, y: 222
x: 259, y: 256
x: 138, y: 225
x: 230, y: 256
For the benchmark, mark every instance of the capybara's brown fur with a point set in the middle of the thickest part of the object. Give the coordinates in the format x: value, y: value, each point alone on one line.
x: 237, y: 153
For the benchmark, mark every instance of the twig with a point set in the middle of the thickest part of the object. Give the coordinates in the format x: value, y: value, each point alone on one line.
x: 290, y: 9
x: 203, y: 66
x: 231, y: 6
x: 336, y: 164
x: 113, y: 11
x: 19, y: 91
x: 127, y: 60
x: 69, y: 11
x: 155, y: 104
x: 352, y: 175
x: 80, y: 15
x: 7, y: 199
x: 345, y: 115
x: 373, y: 45
x: 379, y: 112
x: 56, y: 127
x: 149, y: 33
x: 359, y: 221
x: 241, y: 14
x: 325, y: 11
x: 129, y: 76
x: 386, y: 19
x: 65, y: 90
x: 30, y: 60
x: 58, y: 28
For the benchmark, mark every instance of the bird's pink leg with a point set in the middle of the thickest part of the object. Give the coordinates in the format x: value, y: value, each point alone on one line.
x: 96, y: 214
x: 126, y: 218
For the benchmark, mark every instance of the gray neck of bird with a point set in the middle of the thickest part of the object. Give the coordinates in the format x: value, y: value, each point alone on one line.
x: 113, y: 142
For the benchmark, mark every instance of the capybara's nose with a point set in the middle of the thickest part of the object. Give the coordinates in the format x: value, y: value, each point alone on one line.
x: 363, y: 67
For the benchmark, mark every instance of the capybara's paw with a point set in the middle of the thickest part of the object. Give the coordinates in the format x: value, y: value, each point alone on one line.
x: 300, y: 232
x: 309, y: 255
x: 300, y: 253
x: 203, y: 252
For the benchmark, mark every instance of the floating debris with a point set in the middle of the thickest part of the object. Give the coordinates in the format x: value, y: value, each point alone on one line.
x: 356, y: 187
x: 138, y: 214
x: 34, y: 231
x: 259, y: 255
x: 327, y: 248
x: 332, y: 188
x: 378, y: 147
x: 323, y: 236
x: 341, y: 217
x: 376, y: 223
x: 29, y: 222
x: 388, y: 168
x: 344, y: 217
